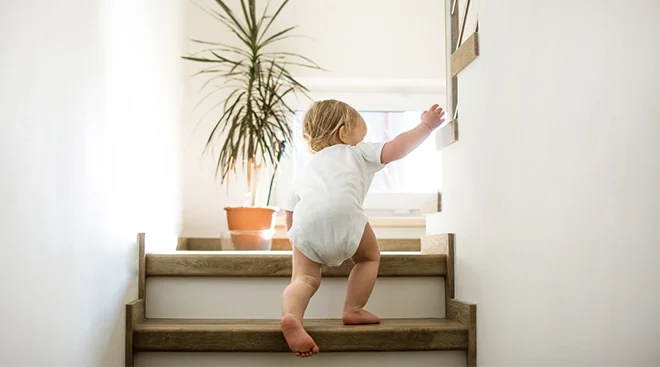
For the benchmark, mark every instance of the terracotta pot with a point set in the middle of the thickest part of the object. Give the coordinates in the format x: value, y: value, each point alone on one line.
x: 251, y: 228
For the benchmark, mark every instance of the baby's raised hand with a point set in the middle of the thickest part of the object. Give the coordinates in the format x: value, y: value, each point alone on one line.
x: 433, y: 118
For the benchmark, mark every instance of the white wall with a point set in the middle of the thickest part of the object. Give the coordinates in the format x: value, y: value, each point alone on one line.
x: 366, y: 42
x: 553, y: 189
x: 89, y: 121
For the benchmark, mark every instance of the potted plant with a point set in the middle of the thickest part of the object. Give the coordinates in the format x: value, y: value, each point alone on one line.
x: 254, y: 126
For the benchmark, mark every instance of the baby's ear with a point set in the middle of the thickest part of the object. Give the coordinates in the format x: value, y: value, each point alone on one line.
x: 343, y: 135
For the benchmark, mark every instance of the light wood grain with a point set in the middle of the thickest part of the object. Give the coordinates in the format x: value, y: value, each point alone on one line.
x: 431, y: 206
x: 465, y: 54
x: 446, y: 135
x: 449, y: 278
x: 385, y: 244
x: 330, y: 335
x: 182, y: 244
x: 399, y: 244
x: 202, y: 244
x: 283, y: 244
x: 436, y: 244
x: 142, y: 279
x: 134, y: 316
x: 466, y: 314
x: 244, y: 264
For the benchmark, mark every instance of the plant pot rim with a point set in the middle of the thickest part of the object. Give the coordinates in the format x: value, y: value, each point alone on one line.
x: 273, y: 208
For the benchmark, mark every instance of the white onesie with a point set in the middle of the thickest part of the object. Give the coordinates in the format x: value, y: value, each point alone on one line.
x: 328, y: 218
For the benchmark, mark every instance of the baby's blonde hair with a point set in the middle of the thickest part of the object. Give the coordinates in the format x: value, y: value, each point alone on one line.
x: 324, y: 119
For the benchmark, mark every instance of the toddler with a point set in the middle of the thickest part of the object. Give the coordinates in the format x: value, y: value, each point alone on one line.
x: 324, y: 217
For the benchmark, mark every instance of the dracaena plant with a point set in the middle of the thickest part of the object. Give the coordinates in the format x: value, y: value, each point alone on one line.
x: 253, y: 127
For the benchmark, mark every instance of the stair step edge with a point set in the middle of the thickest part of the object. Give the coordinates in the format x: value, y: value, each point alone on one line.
x: 265, y: 335
x: 245, y: 264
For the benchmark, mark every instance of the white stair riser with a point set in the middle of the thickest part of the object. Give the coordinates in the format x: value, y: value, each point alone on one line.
x: 260, y: 298
x: 365, y: 359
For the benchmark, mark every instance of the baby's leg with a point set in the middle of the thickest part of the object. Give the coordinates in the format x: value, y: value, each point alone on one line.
x: 362, y: 280
x: 305, y: 281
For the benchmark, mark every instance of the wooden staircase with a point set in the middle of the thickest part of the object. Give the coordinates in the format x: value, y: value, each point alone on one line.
x: 455, y: 331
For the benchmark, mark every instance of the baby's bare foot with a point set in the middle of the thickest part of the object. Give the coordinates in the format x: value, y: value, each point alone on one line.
x: 359, y: 317
x: 297, y: 338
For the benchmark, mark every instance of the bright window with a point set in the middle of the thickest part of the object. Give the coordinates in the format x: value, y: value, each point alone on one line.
x: 419, y: 172
x: 401, y: 188
x: 390, y: 107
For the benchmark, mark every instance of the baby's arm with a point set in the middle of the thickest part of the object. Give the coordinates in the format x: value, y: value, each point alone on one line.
x: 288, y: 220
x: 408, y: 141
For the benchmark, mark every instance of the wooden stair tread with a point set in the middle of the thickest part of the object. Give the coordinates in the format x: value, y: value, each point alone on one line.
x: 278, y: 264
x: 282, y: 243
x: 385, y: 244
x: 197, y: 335
x: 311, y: 324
